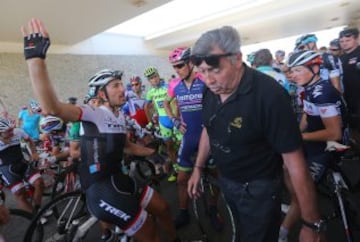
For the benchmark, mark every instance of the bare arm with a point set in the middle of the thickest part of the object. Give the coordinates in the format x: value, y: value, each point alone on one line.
x: 332, y: 130
x: 41, y: 83
x: 167, y: 108
x: 203, y: 153
x: 303, y: 184
x: 139, y: 150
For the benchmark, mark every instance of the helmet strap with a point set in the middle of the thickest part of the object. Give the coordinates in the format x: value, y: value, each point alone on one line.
x: 190, y: 72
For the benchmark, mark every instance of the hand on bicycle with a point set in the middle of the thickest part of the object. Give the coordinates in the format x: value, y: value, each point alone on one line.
x: 193, y: 187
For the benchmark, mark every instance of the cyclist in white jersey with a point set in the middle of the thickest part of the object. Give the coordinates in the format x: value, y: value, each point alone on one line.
x: 111, y: 196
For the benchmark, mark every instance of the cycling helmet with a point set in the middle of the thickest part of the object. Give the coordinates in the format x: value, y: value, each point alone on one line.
x: 335, y: 43
x: 92, y: 93
x: 135, y: 79
x: 250, y: 57
x: 305, y: 39
x: 6, y: 124
x: 280, y: 53
x: 103, y: 77
x: 150, y: 71
x: 50, y: 123
x: 179, y: 54
x: 34, y: 106
x: 305, y: 58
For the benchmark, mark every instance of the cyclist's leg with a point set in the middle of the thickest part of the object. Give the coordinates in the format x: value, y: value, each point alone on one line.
x: 34, y: 178
x: 166, y: 130
x: 13, y: 180
x: 117, y: 200
x: 160, y: 208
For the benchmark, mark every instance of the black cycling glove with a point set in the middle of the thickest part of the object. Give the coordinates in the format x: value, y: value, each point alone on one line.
x: 35, y: 46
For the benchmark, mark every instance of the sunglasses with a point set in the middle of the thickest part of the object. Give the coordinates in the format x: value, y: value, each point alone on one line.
x: 152, y: 76
x: 135, y: 84
x: 211, y: 60
x: 179, y: 66
x: 334, y: 49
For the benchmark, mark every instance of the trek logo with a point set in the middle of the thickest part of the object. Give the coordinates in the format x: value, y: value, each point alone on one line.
x: 237, y: 122
x: 114, y: 211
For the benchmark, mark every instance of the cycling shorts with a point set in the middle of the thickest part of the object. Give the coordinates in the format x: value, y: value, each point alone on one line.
x: 317, y: 165
x: 15, y: 175
x: 187, y: 154
x: 119, y: 200
x: 166, y: 127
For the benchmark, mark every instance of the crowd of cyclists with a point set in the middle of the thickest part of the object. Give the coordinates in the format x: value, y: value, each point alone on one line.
x: 322, y: 87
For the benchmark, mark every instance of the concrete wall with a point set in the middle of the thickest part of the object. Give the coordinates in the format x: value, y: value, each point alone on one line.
x: 69, y: 74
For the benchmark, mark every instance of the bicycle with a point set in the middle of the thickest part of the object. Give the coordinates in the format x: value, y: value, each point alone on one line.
x: 210, y: 189
x: 336, y: 187
x: 19, y: 219
x: 70, y: 221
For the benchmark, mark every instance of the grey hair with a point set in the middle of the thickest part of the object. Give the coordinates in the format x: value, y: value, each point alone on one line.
x: 226, y: 38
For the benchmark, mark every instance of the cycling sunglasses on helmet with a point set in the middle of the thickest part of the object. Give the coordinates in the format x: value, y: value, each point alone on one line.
x: 211, y: 60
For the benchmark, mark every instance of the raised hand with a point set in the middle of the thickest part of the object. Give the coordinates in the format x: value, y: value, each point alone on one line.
x: 36, y: 39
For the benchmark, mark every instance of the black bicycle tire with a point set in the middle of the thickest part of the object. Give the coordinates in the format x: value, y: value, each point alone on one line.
x: 213, y: 182
x: 35, y: 223
x: 352, y: 208
x: 11, y: 231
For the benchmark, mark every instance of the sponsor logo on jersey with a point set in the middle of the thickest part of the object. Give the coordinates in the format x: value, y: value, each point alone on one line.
x: 237, y: 122
x: 114, y: 211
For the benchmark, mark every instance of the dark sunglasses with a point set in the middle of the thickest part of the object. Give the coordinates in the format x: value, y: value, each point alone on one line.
x: 211, y: 60
x: 135, y: 84
x: 152, y: 76
x: 179, y: 66
x: 334, y: 49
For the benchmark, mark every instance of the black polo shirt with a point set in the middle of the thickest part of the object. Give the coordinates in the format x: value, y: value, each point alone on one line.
x: 352, y: 80
x: 252, y: 128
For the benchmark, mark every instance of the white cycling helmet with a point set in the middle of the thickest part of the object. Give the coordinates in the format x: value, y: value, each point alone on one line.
x: 50, y: 123
x: 305, y: 58
x: 6, y: 124
x: 103, y: 77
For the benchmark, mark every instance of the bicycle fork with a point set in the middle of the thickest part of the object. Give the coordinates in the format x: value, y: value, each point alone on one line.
x: 339, y: 185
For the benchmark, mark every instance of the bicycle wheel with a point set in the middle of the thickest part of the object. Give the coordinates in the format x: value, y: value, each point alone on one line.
x: 202, y: 212
x: 14, y: 230
x: 64, y: 209
x: 352, y: 209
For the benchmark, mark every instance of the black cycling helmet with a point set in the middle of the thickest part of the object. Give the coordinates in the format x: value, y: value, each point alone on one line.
x: 335, y: 43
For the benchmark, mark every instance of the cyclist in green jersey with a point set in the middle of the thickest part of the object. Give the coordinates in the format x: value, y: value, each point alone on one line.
x: 156, y: 96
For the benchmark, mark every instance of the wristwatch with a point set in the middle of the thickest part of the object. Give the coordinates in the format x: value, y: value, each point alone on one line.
x: 319, y: 226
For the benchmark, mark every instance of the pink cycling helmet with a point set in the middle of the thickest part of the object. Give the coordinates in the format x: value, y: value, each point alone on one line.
x: 179, y: 54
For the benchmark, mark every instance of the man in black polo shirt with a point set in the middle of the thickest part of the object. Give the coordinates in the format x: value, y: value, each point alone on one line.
x: 349, y: 39
x: 249, y: 129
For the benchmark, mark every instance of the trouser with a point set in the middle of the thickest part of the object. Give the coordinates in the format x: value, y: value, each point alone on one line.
x: 256, y: 208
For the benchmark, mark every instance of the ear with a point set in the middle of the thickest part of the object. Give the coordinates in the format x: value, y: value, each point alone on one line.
x: 316, y: 69
x: 238, y: 58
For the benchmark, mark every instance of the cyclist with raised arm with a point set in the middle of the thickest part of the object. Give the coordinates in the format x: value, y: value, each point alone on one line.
x: 13, y: 167
x: 329, y: 69
x: 156, y: 96
x: 323, y: 120
x: 111, y: 196
x: 188, y: 92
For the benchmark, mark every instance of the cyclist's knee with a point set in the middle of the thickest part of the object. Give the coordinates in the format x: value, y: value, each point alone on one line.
x: 147, y: 233
x: 39, y: 184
